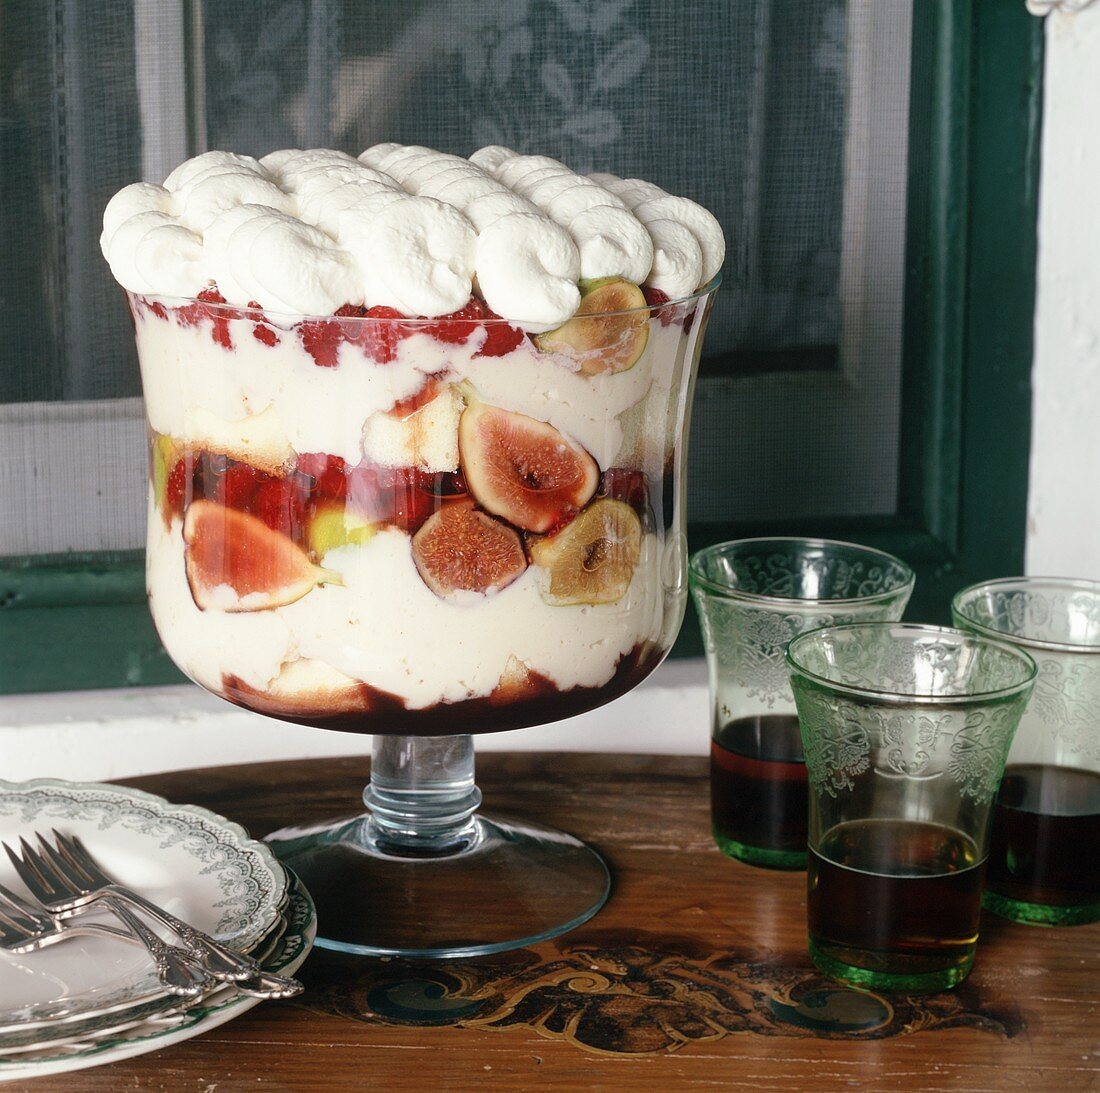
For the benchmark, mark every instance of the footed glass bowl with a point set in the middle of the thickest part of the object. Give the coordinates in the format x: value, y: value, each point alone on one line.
x: 421, y: 529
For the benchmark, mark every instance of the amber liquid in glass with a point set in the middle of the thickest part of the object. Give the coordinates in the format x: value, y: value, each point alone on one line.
x: 758, y: 783
x: 1046, y: 833
x: 895, y: 897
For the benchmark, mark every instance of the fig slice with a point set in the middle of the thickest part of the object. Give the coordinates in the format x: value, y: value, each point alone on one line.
x: 608, y: 333
x: 592, y: 559
x: 235, y: 562
x: 462, y: 549
x: 523, y: 469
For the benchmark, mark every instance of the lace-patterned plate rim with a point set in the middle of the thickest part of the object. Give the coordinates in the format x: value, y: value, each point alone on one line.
x: 910, y: 698
x: 286, y: 957
x: 701, y: 581
x: 961, y: 600
x: 254, y: 885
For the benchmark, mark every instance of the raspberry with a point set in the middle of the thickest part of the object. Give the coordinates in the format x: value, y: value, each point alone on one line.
x: 623, y: 484
x: 328, y: 474
x: 321, y: 340
x: 260, y: 330
x: 280, y: 505
x: 657, y: 300
x: 501, y: 340
x: 158, y: 309
x: 238, y: 485
x: 218, y: 315
x: 175, y: 487
x: 457, y: 327
x: 380, y: 340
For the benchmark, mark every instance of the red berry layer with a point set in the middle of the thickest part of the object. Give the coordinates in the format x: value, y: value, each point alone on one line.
x: 322, y: 338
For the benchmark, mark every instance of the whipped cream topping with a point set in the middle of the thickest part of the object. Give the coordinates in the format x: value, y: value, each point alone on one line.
x: 304, y: 232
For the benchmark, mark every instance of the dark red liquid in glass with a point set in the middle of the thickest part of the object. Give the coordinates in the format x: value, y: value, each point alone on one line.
x: 896, y: 896
x: 758, y: 783
x: 1045, y: 844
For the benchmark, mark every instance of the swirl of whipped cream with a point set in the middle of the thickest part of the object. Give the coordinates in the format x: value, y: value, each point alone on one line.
x: 417, y: 255
x: 287, y: 163
x: 132, y: 200
x: 324, y: 193
x: 153, y: 253
x: 650, y: 203
x: 491, y: 157
x: 527, y: 267
x: 258, y: 253
x: 524, y: 268
x: 211, y: 163
x: 611, y: 241
x: 210, y: 195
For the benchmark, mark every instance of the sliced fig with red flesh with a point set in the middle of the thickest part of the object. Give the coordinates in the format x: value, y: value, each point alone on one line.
x: 609, y: 331
x: 523, y: 470
x: 592, y: 559
x: 235, y: 562
x: 462, y: 549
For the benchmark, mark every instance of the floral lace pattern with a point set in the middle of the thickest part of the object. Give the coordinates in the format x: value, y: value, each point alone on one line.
x: 1067, y: 700
x: 845, y: 739
x: 793, y: 575
x: 1041, y: 613
x: 251, y: 882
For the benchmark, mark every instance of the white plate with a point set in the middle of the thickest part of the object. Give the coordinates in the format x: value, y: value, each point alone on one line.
x: 200, y: 866
x: 168, y: 1028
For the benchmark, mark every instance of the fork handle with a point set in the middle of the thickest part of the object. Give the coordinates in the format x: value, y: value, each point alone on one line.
x: 219, y: 960
x: 176, y: 968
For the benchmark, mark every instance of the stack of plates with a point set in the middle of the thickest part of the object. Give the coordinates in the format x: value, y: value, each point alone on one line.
x: 90, y: 999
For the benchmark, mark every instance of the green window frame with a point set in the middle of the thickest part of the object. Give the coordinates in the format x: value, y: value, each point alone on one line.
x: 81, y: 621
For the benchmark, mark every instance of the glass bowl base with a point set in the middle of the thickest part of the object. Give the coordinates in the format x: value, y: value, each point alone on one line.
x: 509, y: 884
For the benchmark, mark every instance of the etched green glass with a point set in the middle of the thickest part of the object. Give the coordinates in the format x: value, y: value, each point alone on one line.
x: 753, y: 596
x: 1048, y: 808
x: 906, y: 730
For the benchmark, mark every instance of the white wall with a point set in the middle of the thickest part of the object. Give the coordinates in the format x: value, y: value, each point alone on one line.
x: 1064, y: 498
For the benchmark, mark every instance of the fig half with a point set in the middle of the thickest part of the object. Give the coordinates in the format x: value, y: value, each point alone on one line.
x: 522, y: 469
x: 235, y: 562
x: 461, y: 549
x: 592, y: 559
x: 609, y: 331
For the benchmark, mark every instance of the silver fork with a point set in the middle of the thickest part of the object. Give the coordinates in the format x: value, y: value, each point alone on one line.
x: 178, y: 970
x: 74, y: 865
x: 25, y: 927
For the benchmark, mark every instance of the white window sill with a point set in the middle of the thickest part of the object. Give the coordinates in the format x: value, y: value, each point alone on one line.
x: 93, y: 735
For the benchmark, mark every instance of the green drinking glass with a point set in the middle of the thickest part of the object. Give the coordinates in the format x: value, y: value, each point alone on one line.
x: 1044, y: 867
x: 906, y: 730
x: 753, y: 596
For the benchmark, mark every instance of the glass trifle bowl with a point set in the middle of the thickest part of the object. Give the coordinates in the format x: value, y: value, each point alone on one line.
x: 422, y: 529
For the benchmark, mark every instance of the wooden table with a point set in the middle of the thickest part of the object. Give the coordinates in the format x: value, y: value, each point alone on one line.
x: 694, y: 975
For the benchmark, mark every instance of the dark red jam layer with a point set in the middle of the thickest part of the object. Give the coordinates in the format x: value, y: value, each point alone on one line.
x: 380, y: 712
